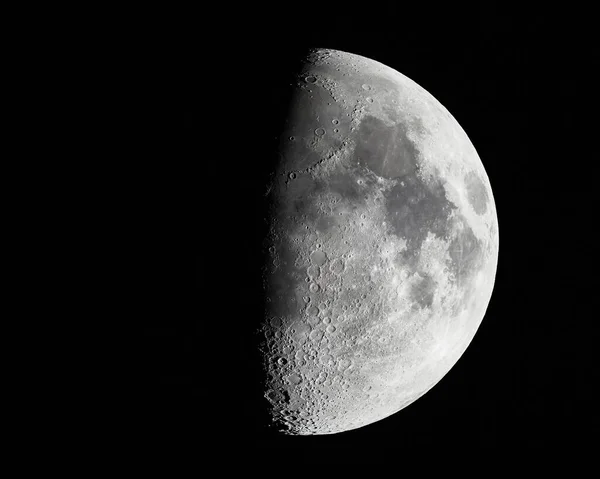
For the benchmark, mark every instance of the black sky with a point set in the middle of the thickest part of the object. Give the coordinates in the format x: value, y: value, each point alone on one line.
x: 513, y: 79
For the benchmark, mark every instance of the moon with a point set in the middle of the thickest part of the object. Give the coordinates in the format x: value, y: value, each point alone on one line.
x: 382, y: 247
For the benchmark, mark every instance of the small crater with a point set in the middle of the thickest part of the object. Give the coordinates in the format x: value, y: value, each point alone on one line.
x: 272, y: 396
x: 320, y: 131
x: 313, y: 271
x: 318, y: 258
x: 276, y: 323
x: 335, y: 121
x: 314, y: 287
x: 316, y: 335
x: 326, y: 359
x: 311, y: 79
x: 337, y: 266
x: 343, y: 364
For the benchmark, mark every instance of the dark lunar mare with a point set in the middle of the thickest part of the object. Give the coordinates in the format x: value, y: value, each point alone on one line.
x: 414, y: 208
x: 476, y: 193
x: 385, y: 150
x: 422, y: 292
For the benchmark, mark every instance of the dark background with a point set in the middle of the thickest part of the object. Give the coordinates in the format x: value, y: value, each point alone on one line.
x: 513, y: 79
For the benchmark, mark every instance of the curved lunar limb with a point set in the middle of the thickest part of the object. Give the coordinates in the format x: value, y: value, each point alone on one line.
x: 383, y: 247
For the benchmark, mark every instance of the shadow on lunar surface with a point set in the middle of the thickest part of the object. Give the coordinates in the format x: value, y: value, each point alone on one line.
x: 257, y: 207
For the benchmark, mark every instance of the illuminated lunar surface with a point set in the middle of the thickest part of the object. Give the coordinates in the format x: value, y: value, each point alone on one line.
x: 383, y: 247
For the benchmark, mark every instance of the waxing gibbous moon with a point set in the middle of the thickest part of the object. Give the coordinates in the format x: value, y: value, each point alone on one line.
x: 382, y: 247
